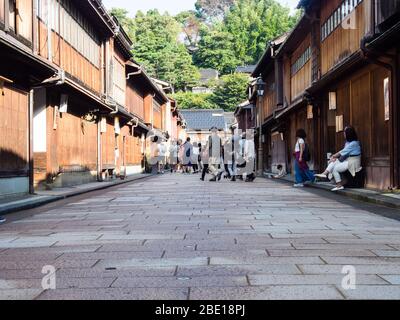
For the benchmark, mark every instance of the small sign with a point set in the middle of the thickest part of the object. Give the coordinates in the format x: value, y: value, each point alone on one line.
x: 117, y: 127
x: 103, y: 125
x: 386, y: 91
x: 339, y: 123
x: 332, y: 101
x: 64, y: 103
x: 310, y: 113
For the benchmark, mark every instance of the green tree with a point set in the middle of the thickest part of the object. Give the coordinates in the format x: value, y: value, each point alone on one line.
x: 158, y: 49
x: 190, y: 100
x: 243, y: 34
x: 127, y: 23
x: 231, y: 91
x: 216, y: 51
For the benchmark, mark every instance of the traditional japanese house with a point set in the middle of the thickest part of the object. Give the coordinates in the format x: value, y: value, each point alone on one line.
x: 20, y: 70
x: 339, y: 67
x: 73, y: 111
x: 245, y: 115
x: 355, y: 82
x: 268, y: 98
x: 149, y: 103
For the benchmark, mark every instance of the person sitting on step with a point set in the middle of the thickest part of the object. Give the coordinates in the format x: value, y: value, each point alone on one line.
x: 348, y: 159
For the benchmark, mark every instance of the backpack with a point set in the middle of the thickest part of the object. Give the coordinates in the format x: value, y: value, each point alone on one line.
x: 306, y: 153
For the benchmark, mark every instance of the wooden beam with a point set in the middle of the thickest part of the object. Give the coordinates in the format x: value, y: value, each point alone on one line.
x: 2, y: 81
x: 6, y: 80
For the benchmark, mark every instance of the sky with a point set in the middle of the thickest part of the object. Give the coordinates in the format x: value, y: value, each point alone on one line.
x: 172, y: 6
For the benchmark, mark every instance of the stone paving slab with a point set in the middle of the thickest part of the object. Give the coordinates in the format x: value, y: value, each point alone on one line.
x: 373, y: 292
x: 116, y: 294
x: 19, y: 294
x: 267, y: 293
x: 232, y: 270
x: 175, y: 237
x: 180, y: 282
x: 271, y: 280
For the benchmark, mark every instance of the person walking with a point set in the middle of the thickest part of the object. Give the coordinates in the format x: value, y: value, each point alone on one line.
x: 187, y: 156
x: 227, y: 155
x: 162, y: 153
x: 348, y: 159
x: 215, y: 148
x: 173, y: 156
x: 195, y: 157
x: 302, y: 156
x: 180, y: 156
x: 249, y: 155
x: 200, y: 160
x: 204, y: 160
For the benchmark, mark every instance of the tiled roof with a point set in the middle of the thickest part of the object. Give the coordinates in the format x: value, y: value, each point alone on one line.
x: 208, y: 74
x: 246, y: 69
x: 204, y: 119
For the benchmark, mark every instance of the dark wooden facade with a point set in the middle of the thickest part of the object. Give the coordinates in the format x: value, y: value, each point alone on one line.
x: 339, y: 67
x: 66, y: 119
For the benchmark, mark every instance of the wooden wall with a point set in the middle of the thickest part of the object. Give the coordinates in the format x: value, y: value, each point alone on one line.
x: 148, y: 106
x: 80, y: 148
x: 135, y: 101
x: 360, y: 100
x: 157, y: 115
x: 66, y: 57
x: 2, y: 11
x: 342, y: 42
x: 269, y: 99
x: 21, y: 23
x: 24, y: 18
x: 108, y: 146
x: 130, y: 148
x: 71, y: 144
x: 119, y: 78
x: 301, y: 80
x: 287, y: 91
x: 13, y: 132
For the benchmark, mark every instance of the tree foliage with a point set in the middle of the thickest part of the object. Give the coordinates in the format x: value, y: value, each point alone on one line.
x: 243, y: 35
x: 158, y: 49
x: 216, y: 51
x: 190, y: 100
x: 217, y: 34
x: 231, y: 91
x: 127, y: 23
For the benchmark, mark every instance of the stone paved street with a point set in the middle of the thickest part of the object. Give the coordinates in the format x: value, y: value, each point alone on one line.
x: 175, y: 237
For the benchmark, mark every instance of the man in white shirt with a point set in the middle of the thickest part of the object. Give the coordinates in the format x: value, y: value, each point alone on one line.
x: 250, y: 156
x: 162, y: 152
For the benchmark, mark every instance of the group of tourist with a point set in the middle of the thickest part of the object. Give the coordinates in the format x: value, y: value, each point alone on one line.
x: 232, y: 158
x: 235, y: 157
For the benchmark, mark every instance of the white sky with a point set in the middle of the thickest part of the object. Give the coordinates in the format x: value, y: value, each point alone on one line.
x: 172, y: 6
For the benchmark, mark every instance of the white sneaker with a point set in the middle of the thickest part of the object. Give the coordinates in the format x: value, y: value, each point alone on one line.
x: 337, y: 189
x: 321, y: 176
x: 2, y: 220
x: 298, y: 185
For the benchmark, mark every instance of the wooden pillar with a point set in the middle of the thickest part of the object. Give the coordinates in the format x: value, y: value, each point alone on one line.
x: 30, y: 142
x: 148, y: 109
x: 6, y: 16
x: 279, y: 81
x: 395, y: 122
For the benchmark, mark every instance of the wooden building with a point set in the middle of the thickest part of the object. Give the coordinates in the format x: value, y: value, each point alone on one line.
x: 245, y: 116
x: 340, y: 67
x: 77, y: 107
x: 20, y: 70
